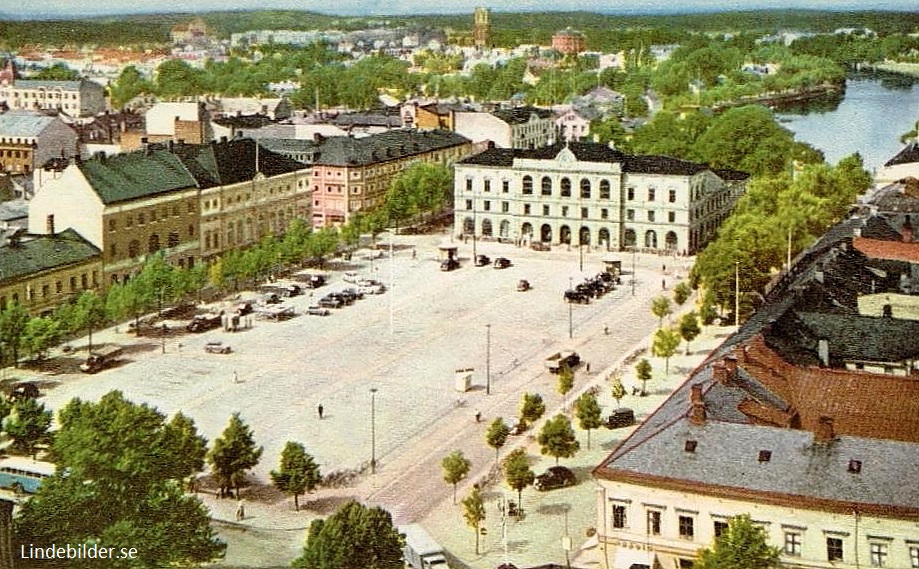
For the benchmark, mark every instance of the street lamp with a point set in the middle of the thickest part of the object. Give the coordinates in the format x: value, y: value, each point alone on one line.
x: 570, y: 325
x: 633, y: 271
x: 488, y: 359
x: 373, y: 430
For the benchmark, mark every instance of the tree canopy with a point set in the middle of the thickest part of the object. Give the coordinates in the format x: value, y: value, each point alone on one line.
x: 741, y: 546
x: 297, y: 473
x: 234, y: 453
x: 354, y: 536
x: 557, y: 438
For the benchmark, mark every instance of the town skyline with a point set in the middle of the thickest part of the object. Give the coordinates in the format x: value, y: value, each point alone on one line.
x: 76, y: 8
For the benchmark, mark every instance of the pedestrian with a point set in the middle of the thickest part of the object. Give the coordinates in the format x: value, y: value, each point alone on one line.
x: 235, y: 377
x: 414, y: 253
x: 587, y: 367
x: 320, y: 410
x: 240, y: 511
x: 663, y: 284
x: 478, y: 416
x: 606, y: 330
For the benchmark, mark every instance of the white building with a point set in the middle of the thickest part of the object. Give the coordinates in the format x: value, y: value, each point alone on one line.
x: 76, y: 98
x: 518, y: 127
x: 590, y: 194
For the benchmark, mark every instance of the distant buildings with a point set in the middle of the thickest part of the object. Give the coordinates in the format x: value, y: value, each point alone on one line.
x: 481, y: 27
x: 589, y: 194
x: 569, y: 42
x: 76, y: 98
x: 807, y: 419
x: 516, y: 127
x: 29, y: 139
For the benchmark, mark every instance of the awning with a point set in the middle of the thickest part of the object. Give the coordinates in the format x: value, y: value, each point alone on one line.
x: 626, y: 558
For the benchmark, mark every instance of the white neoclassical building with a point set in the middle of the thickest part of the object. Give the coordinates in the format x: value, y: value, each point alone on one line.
x: 580, y: 193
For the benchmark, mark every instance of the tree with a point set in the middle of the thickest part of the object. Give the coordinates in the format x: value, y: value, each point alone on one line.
x: 589, y: 413
x: 474, y: 512
x: 681, y: 293
x: 89, y: 313
x: 666, y: 342
x: 660, y: 307
x: 28, y: 426
x: 40, y: 335
x: 234, y: 453
x: 517, y: 472
x: 354, y: 536
x: 187, y: 448
x: 643, y: 371
x: 298, y: 472
x: 118, y: 482
x: 129, y: 84
x: 496, y: 435
x: 557, y: 438
x: 532, y: 408
x: 456, y: 467
x: 618, y: 390
x: 565, y: 381
x: 689, y: 328
x: 13, y: 321
x: 741, y: 546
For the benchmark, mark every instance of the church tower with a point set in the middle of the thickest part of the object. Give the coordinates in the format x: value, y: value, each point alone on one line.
x: 482, y: 27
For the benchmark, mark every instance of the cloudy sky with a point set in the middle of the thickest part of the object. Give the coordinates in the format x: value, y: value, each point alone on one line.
x: 49, y: 8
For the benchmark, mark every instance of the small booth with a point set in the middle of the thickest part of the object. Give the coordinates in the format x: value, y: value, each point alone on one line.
x: 613, y: 266
x: 462, y: 380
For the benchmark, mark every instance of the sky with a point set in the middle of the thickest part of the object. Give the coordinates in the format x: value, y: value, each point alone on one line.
x: 68, y: 8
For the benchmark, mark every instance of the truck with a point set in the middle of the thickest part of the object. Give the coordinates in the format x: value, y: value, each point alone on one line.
x: 205, y: 322
x: 420, y: 550
x: 564, y: 358
x: 100, y: 358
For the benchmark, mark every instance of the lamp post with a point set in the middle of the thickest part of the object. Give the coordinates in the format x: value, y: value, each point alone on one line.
x: 633, y: 271
x: 488, y: 359
x: 373, y: 430
x: 737, y: 293
x: 570, y: 325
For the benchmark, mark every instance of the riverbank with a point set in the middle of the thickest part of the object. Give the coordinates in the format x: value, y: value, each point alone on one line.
x: 786, y: 97
x: 910, y: 69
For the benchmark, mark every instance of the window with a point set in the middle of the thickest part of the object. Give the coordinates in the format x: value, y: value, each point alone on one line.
x: 528, y: 185
x: 526, y: 209
x: 671, y: 216
x: 173, y: 239
x: 129, y: 221
x: 45, y: 290
x: 585, y: 188
x: 650, y: 194
x: 604, y: 189
x: 566, y: 188
x: 468, y: 184
x: 487, y: 205
x: 619, y: 516
x: 487, y: 185
x: 855, y: 466
x: 564, y: 211
x: 914, y: 557
x: 505, y: 207
x: 141, y: 219
x: 468, y: 204
x: 650, y: 216
x: 833, y: 549
x: 604, y: 213
x: 654, y: 522
x: 630, y: 193
x: 878, y: 554
x: 793, y: 544
x: 545, y: 210
x: 58, y: 287
x: 672, y: 196
x: 720, y: 528
x: 630, y: 214
x: 505, y: 186
x: 73, y: 284
x: 112, y: 225
x: 583, y: 213
x: 546, y: 187
x: 686, y: 527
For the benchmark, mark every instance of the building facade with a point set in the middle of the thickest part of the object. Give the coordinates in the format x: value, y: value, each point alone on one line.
x: 80, y: 98
x: 569, y: 42
x: 519, y: 127
x: 481, y: 27
x: 29, y: 139
x: 806, y: 419
x: 351, y: 174
x: 590, y: 194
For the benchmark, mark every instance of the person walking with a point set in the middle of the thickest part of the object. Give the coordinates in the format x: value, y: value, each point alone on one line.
x: 240, y: 511
x: 320, y: 409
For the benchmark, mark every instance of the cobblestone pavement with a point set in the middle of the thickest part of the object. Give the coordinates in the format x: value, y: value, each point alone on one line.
x: 406, y: 344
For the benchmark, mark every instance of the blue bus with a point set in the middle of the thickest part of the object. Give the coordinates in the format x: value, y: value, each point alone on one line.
x: 22, y: 474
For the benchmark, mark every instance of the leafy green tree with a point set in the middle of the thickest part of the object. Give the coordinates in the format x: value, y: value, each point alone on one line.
x: 660, y: 307
x: 618, y: 390
x: 13, y: 322
x: 233, y: 454
x: 119, y: 483
x: 689, y: 328
x: 643, y: 372
x: 89, y: 313
x: 474, y: 512
x: 57, y: 72
x: 40, y: 335
x: 298, y: 472
x: 28, y: 425
x: 186, y: 448
x: 455, y: 467
x: 557, y: 438
x: 741, y: 546
x: 565, y: 381
x: 532, y: 407
x: 129, y: 84
x: 354, y: 536
x: 589, y: 413
x: 496, y: 435
x: 666, y: 342
x: 175, y: 78
x: 681, y: 293
x: 517, y: 472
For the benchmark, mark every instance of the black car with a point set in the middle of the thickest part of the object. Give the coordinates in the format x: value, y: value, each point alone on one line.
x: 331, y: 302
x: 449, y: 265
x: 502, y: 263
x: 555, y: 477
x: 482, y: 261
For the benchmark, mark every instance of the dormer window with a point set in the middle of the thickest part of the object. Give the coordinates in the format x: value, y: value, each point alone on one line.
x: 765, y: 455
x: 690, y: 446
x: 855, y: 466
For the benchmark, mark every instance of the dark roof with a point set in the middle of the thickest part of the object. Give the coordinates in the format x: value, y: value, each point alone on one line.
x: 244, y: 121
x: 387, y: 118
x: 521, y: 115
x: 662, y: 165
x: 231, y: 162
x: 901, y: 197
x: 731, y: 175
x: 124, y: 177
x: 40, y: 253
x: 908, y: 155
x: 390, y: 145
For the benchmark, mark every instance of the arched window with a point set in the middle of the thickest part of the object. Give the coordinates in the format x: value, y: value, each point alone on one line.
x: 585, y: 188
x: 486, y: 227
x: 604, y: 189
x: 566, y: 188
x: 671, y: 241
x: 628, y: 238
x: 546, y: 186
x: 584, y: 236
x: 528, y: 185
x: 564, y: 235
x: 651, y: 239
x: 153, y: 244
x: 504, y: 229
x: 468, y: 225
x: 134, y: 248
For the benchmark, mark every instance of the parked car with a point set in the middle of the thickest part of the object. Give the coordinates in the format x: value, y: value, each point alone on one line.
x: 555, y: 477
x: 271, y: 298
x: 540, y: 246
x: 329, y: 301
x: 502, y: 263
x: 353, y: 292
x: 622, y: 417
x: 370, y: 286
x: 244, y: 307
x: 344, y: 298
x: 205, y: 322
x: 449, y: 265
x: 217, y: 347
x: 293, y: 290
x: 317, y: 310
x: 351, y: 277
x: 523, y: 285
x: 25, y: 390
x: 482, y: 261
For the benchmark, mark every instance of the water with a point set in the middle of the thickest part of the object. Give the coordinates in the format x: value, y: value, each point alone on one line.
x: 869, y: 119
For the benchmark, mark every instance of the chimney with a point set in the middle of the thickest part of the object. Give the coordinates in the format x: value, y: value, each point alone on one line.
x: 823, y: 351
x: 824, y: 431
x: 907, y: 231
x: 49, y: 224
x: 720, y: 373
x: 696, y: 405
x: 730, y: 363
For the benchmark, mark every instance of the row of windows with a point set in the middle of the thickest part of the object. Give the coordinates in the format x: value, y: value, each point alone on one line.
x: 77, y: 283
x: 41, y: 95
x: 793, y: 546
x: 585, y: 212
x: 14, y: 153
x: 546, y: 188
x: 154, y: 215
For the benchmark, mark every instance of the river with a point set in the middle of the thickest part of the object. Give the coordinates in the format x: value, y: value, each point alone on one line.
x: 869, y: 118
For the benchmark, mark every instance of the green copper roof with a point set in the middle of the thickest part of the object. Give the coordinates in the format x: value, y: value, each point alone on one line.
x: 134, y: 175
x: 42, y: 253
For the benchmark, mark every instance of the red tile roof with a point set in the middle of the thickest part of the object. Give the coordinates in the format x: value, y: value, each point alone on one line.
x: 893, y: 250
